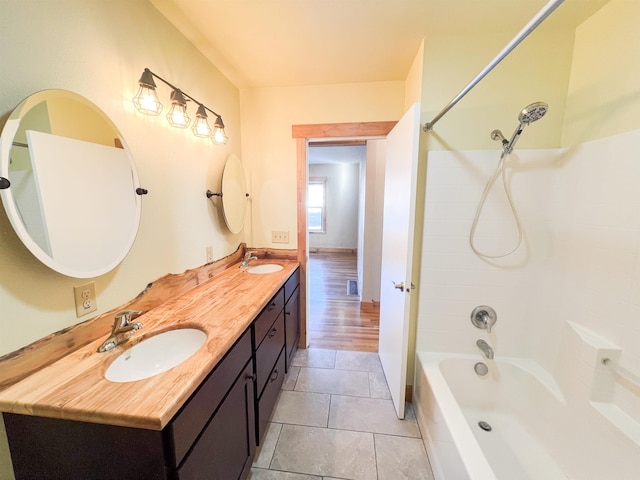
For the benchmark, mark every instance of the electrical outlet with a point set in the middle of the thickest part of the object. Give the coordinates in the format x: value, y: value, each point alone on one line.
x: 209, y: 254
x: 280, y: 236
x: 85, y: 296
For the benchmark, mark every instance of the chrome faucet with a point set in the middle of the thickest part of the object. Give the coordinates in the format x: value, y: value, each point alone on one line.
x: 247, y: 258
x: 486, y: 348
x: 121, y: 324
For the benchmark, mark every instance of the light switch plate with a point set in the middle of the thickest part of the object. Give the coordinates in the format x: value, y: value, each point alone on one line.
x: 85, y: 299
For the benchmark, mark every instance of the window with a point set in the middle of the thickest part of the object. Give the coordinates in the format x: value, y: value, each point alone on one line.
x: 316, y: 208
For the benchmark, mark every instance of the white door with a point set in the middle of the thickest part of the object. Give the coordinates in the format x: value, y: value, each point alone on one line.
x: 397, y: 251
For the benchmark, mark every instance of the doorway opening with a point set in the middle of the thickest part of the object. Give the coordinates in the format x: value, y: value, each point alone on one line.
x: 333, y: 318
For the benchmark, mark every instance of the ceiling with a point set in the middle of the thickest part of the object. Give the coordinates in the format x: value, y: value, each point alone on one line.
x: 281, y: 43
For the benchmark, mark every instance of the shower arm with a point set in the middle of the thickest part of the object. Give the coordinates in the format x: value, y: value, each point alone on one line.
x: 547, y: 10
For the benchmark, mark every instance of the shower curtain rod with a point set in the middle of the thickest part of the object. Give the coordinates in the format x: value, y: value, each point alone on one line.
x: 527, y: 29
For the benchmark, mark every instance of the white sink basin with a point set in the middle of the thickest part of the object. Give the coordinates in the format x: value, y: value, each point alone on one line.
x: 265, y: 268
x: 155, y: 355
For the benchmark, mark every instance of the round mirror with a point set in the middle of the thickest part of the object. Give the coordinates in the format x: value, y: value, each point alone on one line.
x: 70, y: 193
x: 234, y: 193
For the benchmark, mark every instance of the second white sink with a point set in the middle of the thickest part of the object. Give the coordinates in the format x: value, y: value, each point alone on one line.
x: 265, y: 268
x: 155, y: 355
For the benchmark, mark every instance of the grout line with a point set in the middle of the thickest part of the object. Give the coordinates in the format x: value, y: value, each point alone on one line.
x: 276, y: 445
x: 375, y: 454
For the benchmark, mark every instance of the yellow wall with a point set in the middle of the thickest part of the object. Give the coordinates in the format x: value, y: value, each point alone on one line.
x: 604, y: 90
x: 99, y: 51
x: 270, y: 152
x: 537, y: 70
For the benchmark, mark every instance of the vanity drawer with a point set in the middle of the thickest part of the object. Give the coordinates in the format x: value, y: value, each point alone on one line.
x: 291, y: 284
x: 267, y: 353
x: 270, y: 395
x: 265, y: 320
x: 192, y: 418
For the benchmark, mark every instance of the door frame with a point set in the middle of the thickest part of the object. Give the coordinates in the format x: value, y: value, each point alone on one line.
x: 302, y: 134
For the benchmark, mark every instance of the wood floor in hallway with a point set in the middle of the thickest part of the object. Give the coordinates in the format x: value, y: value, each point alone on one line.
x: 336, y: 320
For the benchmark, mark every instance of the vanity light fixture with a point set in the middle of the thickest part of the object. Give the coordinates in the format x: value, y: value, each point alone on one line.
x: 146, y: 101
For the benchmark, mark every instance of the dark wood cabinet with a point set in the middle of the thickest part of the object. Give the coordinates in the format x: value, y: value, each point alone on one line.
x: 213, y: 436
x: 292, y: 316
x: 227, y: 445
x: 269, y: 341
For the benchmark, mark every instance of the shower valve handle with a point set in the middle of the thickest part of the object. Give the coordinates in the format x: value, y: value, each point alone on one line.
x: 484, y: 317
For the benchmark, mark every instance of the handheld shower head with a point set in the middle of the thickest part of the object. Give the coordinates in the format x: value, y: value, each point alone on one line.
x: 529, y: 114
x: 533, y: 112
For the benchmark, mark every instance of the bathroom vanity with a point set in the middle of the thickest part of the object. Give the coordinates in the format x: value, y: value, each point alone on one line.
x: 200, y: 419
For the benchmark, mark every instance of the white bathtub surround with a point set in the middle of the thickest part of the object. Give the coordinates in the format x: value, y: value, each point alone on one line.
x: 569, y: 296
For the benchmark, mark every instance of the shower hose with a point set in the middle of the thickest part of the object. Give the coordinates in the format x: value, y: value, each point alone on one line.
x: 500, y: 170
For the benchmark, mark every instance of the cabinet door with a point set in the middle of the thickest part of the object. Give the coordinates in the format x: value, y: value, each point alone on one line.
x: 227, y: 446
x: 292, y: 325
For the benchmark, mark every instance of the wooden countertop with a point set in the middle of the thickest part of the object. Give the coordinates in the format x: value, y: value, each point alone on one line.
x: 75, y: 388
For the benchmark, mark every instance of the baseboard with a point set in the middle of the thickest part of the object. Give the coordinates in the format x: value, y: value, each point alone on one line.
x: 332, y: 250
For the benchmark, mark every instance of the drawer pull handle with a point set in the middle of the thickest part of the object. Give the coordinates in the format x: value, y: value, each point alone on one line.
x: 272, y: 332
x: 274, y: 375
x: 287, y: 313
x: 271, y: 306
x: 251, y: 376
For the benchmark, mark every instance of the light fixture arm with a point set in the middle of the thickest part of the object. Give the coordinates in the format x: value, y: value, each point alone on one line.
x: 181, y: 91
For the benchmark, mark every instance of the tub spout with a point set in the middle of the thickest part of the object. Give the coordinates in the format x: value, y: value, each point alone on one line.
x: 486, y: 348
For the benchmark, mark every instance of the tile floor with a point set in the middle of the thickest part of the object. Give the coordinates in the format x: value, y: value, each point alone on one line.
x: 334, y: 420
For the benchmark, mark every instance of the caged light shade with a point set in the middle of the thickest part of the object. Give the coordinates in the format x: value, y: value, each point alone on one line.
x: 219, y: 136
x: 146, y: 100
x: 201, y: 127
x: 178, y: 116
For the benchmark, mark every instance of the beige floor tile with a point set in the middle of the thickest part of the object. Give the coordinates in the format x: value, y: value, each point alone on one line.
x: 260, y: 474
x: 378, y: 386
x: 322, y: 451
x: 370, y: 415
x: 291, y: 378
x: 302, y: 408
x: 340, y: 382
x: 401, y: 458
x: 314, y: 357
x: 361, y: 361
x: 265, y: 450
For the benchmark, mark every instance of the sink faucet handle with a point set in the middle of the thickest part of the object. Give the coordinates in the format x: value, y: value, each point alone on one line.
x: 125, y: 316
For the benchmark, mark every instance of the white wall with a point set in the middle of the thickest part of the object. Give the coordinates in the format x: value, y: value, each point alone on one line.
x: 372, y: 237
x: 342, y: 201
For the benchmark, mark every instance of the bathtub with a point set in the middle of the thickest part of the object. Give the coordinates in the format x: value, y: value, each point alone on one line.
x: 535, y: 433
